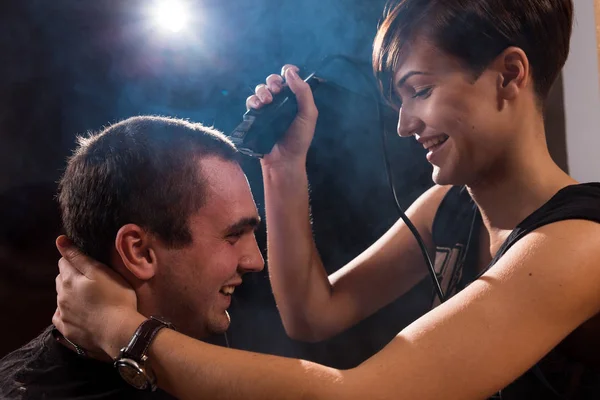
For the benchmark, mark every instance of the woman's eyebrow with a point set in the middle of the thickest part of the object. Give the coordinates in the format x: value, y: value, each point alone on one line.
x: 403, y: 80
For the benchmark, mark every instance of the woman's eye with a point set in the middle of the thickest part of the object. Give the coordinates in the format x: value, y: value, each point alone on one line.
x: 423, y: 93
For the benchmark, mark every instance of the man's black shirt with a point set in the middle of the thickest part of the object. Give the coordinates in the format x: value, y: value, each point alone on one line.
x: 45, y: 369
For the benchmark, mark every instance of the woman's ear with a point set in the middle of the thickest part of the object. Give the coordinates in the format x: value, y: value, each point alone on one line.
x: 134, y: 246
x: 514, y: 72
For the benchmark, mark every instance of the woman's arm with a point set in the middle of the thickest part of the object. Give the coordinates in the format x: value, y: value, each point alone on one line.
x: 314, y: 306
x: 476, y: 343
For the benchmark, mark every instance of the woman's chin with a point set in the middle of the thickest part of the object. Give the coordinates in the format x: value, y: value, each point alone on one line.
x: 444, y: 176
x: 440, y: 177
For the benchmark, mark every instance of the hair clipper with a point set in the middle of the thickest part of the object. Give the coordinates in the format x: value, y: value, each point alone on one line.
x: 262, y: 128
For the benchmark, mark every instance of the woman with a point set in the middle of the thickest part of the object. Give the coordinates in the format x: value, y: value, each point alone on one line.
x: 517, y: 239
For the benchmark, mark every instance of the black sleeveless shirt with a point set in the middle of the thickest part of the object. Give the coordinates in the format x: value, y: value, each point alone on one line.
x: 456, y: 230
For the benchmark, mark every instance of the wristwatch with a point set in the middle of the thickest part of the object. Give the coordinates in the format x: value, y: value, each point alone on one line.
x: 132, y: 360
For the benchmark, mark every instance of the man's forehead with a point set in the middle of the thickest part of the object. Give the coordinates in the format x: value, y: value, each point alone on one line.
x: 222, y: 178
x: 224, y: 188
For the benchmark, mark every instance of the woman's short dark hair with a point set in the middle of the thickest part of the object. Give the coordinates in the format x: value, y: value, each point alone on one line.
x: 476, y: 32
x: 143, y: 170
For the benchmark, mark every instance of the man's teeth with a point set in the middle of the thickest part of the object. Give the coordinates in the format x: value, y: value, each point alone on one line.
x: 433, y: 142
x: 228, y: 290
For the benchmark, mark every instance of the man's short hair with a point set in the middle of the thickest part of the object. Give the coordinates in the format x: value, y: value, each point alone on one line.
x: 144, y: 171
x: 476, y: 32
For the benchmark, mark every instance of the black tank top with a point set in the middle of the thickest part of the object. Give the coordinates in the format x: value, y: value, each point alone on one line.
x: 456, y: 229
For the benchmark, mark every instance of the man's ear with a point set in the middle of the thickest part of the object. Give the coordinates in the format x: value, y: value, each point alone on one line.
x: 514, y: 72
x: 135, y: 247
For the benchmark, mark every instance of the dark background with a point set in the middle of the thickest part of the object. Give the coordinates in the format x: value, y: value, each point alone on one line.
x: 71, y: 66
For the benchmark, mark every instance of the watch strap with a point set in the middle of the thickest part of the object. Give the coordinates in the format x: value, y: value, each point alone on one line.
x: 142, y: 338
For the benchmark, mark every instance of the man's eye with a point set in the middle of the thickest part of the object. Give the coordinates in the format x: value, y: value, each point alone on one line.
x: 234, y: 237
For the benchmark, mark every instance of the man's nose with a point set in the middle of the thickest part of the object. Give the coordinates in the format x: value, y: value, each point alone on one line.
x: 408, y: 125
x: 252, y: 259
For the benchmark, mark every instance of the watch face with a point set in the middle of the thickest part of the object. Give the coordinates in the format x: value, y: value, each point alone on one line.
x: 132, y: 374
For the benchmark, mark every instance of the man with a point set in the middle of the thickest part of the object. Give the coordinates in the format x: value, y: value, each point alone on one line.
x: 166, y: 205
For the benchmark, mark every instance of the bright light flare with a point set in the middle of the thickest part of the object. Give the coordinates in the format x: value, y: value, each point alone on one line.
x: 171, y: 15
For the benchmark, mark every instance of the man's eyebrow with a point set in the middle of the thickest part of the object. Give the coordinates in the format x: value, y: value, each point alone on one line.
x: 242, y: 224
x: 403, y: 80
